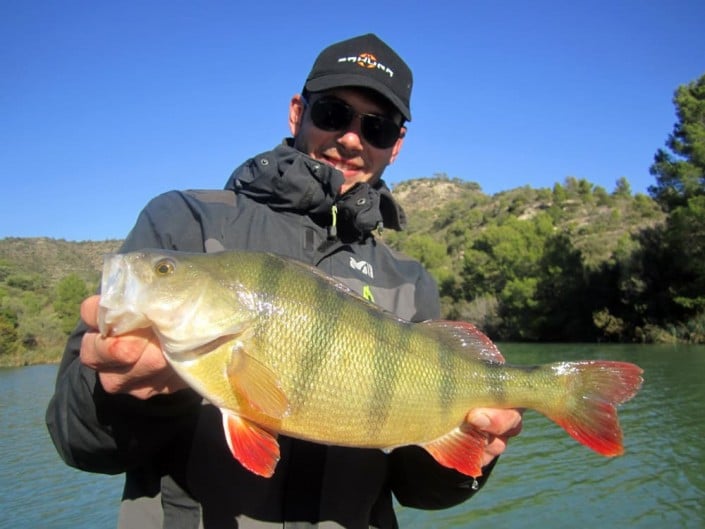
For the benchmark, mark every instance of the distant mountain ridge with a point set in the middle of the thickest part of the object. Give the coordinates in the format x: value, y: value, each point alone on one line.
x: 56, y: 258
x: 596, y: 221
x: 431, y: 205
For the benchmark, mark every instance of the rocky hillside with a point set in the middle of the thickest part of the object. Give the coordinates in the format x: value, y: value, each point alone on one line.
x: 53, y: 259
x: 596, y: 221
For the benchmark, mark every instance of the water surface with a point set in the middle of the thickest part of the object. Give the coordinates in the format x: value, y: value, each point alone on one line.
x: 36, y: 489
x: 544, y: 480
x: 547, y: 480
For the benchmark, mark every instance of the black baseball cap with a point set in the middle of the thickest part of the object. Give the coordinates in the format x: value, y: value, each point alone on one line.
x: 364, y: 61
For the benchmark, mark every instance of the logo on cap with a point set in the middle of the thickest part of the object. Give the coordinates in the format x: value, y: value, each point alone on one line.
x: 369, y: 61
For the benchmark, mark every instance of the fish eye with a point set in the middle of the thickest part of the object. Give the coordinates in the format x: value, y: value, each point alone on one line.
x: 164, y: 267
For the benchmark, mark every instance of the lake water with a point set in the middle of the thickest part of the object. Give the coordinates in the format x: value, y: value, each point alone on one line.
x: 545, y: 479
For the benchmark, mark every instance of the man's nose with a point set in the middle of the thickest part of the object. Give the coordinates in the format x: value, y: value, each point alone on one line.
x: 351, y: 138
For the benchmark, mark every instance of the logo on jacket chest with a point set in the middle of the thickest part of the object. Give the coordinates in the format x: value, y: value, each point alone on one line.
x: 362, y: 266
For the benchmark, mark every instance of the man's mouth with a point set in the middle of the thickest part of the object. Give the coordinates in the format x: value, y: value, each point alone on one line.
x: 342, y: 166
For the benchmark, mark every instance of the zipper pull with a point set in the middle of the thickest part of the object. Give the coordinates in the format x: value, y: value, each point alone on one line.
x: 333, y: 228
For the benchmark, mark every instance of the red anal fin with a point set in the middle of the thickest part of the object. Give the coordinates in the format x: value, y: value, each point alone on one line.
x: 254, y: 447
x: 460, y: 449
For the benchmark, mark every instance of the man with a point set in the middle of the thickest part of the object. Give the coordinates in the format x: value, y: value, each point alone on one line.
x: 118, y: 407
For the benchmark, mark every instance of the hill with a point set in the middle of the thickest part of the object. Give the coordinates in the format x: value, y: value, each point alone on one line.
x: 563, y: 264
x: 54, y: 259
x: 511, y: 262
x: 42, y: 282
x: 596, y: 221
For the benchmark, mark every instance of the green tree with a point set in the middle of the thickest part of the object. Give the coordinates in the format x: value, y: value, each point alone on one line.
x: 608, y: 324
x: 518, y: 299
x: 69, y: 293
x: 429, y: 251
x: 685, y: 234
x: 433, y: 254
x: 8, y: 330
x: 559, y: 193
x: 23, y: 281
x: 503, y: 262
x: 6, y: 269
x: 623, y: 189
x: 680, y: 174
x: 678, y: 295
x: 562, y: 301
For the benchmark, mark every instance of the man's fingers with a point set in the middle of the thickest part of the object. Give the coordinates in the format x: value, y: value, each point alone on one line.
x: 501, y: 423
x: 89, y: 311
x: 131, y: 363
x: 118, y: 352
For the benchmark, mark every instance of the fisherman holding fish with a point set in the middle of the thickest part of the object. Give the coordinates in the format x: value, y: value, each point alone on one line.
x: 120, y: 407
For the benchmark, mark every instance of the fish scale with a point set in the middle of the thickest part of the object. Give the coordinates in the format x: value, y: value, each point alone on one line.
x: 280, y: 348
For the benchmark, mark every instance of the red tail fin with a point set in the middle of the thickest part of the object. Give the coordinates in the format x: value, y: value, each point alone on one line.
x: 594, y: 390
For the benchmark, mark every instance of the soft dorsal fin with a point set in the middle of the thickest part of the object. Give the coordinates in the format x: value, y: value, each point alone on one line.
x: 468, y: 338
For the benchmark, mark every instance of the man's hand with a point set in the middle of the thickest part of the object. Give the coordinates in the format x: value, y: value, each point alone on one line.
x: 499, y: 425
x: 132, y: 363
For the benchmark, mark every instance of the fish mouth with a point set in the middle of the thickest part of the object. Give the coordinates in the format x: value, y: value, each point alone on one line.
x: 117, y: 313
x: 106, y: 329
x: 113, y: 323
x: 110, y: 289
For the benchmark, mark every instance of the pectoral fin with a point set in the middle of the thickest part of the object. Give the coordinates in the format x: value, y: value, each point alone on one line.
x: 254, y: 447
x: 256, y: 385
x: 460, y: 449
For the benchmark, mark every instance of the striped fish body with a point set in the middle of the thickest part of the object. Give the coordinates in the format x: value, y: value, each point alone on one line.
x: 280, y: 348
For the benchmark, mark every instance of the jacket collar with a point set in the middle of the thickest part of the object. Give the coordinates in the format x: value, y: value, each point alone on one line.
x: 288, y: 180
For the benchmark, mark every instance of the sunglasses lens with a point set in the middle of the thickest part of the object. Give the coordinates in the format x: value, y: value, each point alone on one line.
x: 332, y: 114
x: 381, y: 132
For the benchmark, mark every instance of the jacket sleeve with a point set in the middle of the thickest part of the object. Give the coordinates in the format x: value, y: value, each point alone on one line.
x: 418, y: 481
x: 426, y: 299
x: 98, y: 432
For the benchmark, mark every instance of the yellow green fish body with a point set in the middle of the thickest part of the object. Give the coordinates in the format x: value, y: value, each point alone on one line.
x: 281, y: 348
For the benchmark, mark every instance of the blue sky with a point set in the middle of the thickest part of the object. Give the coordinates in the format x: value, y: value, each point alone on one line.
x: 104, y: 105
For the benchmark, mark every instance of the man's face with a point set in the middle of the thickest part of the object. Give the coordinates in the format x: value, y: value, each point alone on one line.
x: 346, y: 150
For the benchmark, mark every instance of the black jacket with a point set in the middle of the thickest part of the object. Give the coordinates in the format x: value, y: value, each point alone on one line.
x: 172, y: 448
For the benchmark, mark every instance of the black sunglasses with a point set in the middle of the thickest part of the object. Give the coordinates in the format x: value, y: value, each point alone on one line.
x: 333, y: 114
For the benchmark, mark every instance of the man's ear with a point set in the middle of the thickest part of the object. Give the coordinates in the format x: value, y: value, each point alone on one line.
x: 396, y: 149
x: 296, y: 114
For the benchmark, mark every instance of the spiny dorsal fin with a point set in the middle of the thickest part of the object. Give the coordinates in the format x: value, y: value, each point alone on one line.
x: 468, y: 338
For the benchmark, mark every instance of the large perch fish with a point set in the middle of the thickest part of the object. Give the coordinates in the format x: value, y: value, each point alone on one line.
x: 279, y: 347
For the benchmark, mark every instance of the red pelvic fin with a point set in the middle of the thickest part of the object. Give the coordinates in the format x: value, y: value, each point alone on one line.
x: 460, y: 449
x: 590, y: 411
x: 254, y: 447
